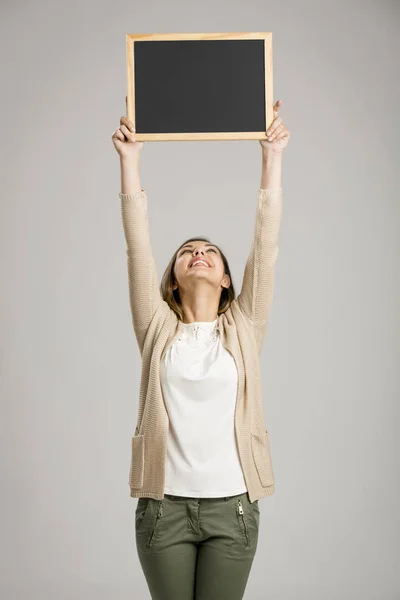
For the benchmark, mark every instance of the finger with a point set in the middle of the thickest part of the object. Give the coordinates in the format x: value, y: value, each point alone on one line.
x: 275, y: 123
x: 276, y: 107
x: 128, y: 134
x: 269, y: 130
x: 119, y: 135
x: 276, y: 131
x: 282, y: 135
x: 125, y: 121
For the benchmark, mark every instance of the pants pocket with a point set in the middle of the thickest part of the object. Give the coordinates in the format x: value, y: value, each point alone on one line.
x: 156, y: 524
x: 243, y: 524
x: 256, y: 515
x: 141, y: 511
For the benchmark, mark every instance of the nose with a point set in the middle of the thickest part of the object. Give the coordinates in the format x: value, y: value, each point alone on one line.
x: 197, y: 250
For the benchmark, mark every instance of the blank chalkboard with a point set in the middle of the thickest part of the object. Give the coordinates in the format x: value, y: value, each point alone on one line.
x: 214, y: 86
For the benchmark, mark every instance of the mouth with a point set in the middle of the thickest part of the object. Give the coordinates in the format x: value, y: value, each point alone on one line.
x: 199, y: 263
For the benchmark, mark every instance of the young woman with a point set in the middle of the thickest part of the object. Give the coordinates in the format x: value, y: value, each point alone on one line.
x: 200, y: 455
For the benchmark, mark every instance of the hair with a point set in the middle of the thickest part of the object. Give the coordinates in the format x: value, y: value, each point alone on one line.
x: 172, y: 297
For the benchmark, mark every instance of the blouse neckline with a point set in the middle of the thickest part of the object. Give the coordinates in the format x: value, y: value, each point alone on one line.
x: 201, y: 331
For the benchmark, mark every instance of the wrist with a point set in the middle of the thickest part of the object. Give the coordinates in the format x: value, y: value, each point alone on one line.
x: 129, y: 161
x: 269, y: 155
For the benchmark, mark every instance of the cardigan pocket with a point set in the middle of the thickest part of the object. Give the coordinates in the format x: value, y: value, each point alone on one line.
x: 262, y: 457
x: 136, y: 470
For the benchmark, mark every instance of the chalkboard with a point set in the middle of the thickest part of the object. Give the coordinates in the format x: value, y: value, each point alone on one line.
x: 199, y: 86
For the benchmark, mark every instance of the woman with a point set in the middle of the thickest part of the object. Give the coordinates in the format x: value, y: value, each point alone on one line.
x: 200, y: 456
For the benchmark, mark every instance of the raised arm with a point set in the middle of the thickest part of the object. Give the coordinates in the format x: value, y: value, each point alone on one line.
x: 144, y: 292
x: 255, y: 297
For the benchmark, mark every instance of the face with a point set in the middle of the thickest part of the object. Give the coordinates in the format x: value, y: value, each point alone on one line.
x: 200, y: 262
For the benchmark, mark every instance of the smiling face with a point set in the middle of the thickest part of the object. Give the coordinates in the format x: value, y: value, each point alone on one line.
x: 199, y: 262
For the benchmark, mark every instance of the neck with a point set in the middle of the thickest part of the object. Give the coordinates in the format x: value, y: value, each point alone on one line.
x: 199, y: 308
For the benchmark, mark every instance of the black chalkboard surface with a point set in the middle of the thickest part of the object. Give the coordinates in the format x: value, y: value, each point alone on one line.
x: 214, y: 86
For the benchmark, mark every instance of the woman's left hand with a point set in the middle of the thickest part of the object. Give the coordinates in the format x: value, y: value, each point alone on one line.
x: 278, y: 135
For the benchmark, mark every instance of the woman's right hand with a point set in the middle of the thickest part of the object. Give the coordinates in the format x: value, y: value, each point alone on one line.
x: 124, y: 140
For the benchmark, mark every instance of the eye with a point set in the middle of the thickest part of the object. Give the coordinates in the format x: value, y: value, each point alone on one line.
x: 188, y: 250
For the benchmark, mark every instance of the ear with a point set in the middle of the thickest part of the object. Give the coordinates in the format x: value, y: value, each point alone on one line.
x: 226, y: 282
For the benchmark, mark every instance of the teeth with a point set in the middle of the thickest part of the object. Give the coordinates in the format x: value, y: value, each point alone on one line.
x: 201, y: 262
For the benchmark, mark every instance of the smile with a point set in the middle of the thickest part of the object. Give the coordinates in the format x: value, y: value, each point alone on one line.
x: 199, y: 263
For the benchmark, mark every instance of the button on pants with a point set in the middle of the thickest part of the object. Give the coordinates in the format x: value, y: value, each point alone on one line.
x: 197, y: 548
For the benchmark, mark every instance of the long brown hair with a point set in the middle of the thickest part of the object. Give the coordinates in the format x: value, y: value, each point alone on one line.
x: 172, y: 297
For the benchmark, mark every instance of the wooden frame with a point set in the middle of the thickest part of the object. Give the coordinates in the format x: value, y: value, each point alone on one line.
x: 248, y: 135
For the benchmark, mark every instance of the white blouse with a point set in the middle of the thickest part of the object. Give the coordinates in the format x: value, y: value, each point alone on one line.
x: 199, y: 384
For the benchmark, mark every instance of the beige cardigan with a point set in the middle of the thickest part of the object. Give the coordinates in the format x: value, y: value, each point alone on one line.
x: 242, y: 328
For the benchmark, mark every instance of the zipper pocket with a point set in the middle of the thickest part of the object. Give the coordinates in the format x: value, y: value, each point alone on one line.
x: 140, y: 512
x: 159, y: 515
x: 243, y: 520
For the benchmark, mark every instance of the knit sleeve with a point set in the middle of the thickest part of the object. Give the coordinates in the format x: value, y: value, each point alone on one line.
x: 144, y: 292
x: 255, y: 297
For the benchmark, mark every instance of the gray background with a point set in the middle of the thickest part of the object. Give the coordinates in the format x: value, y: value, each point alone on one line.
x: 70, y: 366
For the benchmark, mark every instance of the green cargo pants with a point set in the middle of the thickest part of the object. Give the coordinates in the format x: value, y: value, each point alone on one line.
x: 197, y: 548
